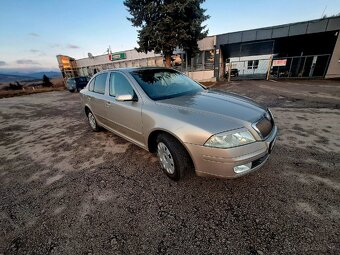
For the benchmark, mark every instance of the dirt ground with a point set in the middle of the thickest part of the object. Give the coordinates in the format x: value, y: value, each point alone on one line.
x: 67, y: 190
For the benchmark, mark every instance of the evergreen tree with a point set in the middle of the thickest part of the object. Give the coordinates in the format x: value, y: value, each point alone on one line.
x: 46, y: 81
x: 167, y: 24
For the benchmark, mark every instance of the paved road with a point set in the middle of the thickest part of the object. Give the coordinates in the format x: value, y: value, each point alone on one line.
x: 67, y: 190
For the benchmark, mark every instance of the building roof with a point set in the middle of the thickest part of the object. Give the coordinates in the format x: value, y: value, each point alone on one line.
x: 292, y: 29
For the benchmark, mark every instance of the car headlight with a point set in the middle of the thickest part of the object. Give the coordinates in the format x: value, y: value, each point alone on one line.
x: 230, y: 139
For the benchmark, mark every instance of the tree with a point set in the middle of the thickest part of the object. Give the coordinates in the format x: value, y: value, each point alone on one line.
x: 167, y: 24
x: 46, y: 81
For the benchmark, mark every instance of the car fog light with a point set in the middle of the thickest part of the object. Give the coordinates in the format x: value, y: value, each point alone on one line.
x: 242, y: 168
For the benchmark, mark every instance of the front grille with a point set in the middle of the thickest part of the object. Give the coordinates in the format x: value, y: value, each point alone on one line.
x: 264, y: 126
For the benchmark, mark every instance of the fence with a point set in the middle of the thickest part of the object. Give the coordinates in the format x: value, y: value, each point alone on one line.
x: 248, y: 69
x: 312, y: 66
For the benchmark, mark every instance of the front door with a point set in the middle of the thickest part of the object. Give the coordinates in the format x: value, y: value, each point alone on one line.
x: 124, y: 117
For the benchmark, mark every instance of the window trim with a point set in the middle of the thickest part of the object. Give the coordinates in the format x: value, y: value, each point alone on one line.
x: 110, y: 84
x: 89, y: 84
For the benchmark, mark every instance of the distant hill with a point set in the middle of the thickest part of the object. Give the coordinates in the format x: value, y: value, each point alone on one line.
x: 50, y: 74
x: 11, y: 77
x: 17, y: 76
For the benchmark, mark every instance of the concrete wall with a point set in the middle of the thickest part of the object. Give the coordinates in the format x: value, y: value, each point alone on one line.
x: 334, y: 64
x: 202, y: 76
x: 207, y: 43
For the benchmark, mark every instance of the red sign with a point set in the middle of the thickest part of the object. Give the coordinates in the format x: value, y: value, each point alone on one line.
x: 279, y: 62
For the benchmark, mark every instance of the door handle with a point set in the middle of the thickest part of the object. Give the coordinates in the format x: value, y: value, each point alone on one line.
x: 107, y: 104
x: 89, y: 98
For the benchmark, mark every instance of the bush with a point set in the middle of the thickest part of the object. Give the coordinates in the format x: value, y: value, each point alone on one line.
x: 14, y: 86
x: 46, y: 82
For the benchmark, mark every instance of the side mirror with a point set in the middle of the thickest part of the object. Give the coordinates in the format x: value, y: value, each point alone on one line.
x: 126, y: 97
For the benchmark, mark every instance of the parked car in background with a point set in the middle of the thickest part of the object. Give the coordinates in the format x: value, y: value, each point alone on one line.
x: 234, y: 73
x: 189, y: 126
x: 77, y: 83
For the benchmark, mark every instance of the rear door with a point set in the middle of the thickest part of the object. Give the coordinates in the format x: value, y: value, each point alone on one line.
x: 96, y: 98
x: 124, y: 117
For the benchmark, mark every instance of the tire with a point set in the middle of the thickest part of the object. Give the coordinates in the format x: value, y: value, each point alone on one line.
x: 92, y: 122
x: 173, y: 158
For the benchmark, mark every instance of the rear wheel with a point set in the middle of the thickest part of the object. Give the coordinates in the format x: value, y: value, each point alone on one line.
x: 173, y: 157
x: 92, y: 121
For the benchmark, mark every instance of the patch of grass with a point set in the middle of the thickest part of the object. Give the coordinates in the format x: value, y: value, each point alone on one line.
x: 28, y: 91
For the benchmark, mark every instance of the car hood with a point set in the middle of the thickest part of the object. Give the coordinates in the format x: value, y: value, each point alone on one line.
x: 219, y: 103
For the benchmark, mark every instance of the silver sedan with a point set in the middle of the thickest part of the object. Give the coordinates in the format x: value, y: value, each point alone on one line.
x: 189, y: 126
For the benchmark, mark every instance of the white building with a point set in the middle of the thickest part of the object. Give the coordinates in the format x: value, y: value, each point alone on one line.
x: 200, y: 68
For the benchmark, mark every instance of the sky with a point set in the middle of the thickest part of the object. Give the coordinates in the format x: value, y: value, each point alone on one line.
x: 33, y: 32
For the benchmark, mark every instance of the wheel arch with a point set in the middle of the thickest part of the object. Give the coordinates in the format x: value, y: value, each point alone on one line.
x: 87, y: 109
x: 152, y: 142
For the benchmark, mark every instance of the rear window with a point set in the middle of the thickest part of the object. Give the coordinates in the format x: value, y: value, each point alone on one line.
x: 99, y: 83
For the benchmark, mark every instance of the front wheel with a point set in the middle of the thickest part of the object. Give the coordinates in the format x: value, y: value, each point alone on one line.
x: 92, y: 121
x: 172, y: 156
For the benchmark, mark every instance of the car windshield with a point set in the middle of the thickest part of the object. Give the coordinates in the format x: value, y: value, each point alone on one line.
x: 161, y: 84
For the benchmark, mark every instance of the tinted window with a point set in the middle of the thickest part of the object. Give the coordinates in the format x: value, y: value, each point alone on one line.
x: 100, y: 82
x: 165, y: 83
x: 81, y: 79
x: 119, y: 85
x: 91, y: 85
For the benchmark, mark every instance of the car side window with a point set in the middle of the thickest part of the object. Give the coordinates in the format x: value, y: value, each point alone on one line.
x: 91, y: 85
x: 99, y: 83
x: 119, y: 85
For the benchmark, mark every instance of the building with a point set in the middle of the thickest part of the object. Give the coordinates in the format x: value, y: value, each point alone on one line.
x: 201, y: 67
x: 299, y: 50
x: 308, y: 49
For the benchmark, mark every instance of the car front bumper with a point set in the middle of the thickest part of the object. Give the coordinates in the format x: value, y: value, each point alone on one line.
x: 220, y: 163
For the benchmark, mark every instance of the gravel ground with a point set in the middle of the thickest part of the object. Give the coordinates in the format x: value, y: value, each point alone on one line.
x: 67, y: 190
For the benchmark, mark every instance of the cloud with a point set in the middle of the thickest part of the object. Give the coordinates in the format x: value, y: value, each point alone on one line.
x: 55, y: 45
x: 72, y: 46
x: 27, y: 62
x: 38, y: 52
x: 33, y: 34
x: 2, y: 63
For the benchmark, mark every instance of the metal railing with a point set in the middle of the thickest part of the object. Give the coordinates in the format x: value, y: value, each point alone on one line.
x: 311, y: 66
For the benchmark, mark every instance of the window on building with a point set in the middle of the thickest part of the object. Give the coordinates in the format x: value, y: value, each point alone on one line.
x: 253, y: 64
x: 209, y: 59
x: 198, y: 61
x: 119, y: 85
x: 100, y: 82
